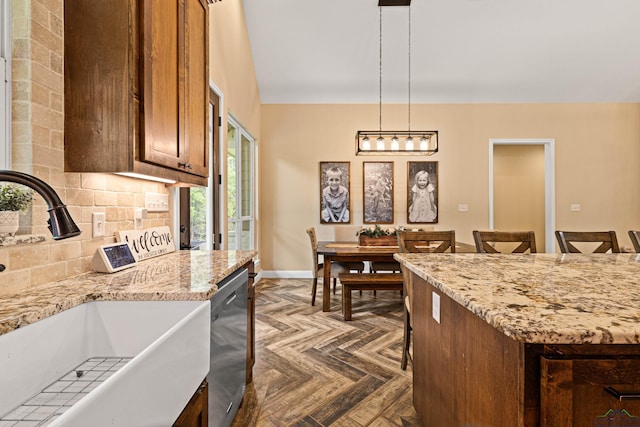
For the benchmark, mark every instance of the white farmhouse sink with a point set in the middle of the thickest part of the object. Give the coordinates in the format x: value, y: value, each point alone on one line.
x: 168, y: 341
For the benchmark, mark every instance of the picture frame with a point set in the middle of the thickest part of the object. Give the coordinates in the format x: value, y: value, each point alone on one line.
x: 422, y: 196
x: 335, y: 192
x: 377, y: 192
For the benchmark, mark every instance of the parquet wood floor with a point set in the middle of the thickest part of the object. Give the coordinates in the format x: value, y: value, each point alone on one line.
x: 315, y: 369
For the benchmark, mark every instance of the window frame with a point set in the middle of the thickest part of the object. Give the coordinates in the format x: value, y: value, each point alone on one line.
x: 5, y: 82
x: 239, y: 219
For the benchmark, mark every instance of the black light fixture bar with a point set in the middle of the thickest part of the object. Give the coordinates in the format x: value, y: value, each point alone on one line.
x: 394, y: 2
x: 422, y: 142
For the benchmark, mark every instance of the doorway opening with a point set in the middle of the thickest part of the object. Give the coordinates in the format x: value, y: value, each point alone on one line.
x: 507, y: 187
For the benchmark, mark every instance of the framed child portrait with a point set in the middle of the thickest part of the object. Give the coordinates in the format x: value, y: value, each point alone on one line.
x: 377, y: 192
x: 422, y: 192
x: 335, y: 194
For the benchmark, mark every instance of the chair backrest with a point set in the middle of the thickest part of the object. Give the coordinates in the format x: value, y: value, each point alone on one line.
x: 634, y: 235
x: 427, y: 241
x: 423, y: 242
x: 607, y: 240
x: 314, y: 250
x: 485, y: 239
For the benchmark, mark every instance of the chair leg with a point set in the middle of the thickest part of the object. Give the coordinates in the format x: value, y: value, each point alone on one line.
x: 335, y: 282
x: 406, y: 340
x: 374, y: 291
x: 313, y: 290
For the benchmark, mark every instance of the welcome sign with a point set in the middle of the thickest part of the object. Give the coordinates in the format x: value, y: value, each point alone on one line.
x: 147, y: 243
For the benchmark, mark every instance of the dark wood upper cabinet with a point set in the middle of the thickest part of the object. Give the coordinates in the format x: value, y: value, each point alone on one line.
x: 136, y: 88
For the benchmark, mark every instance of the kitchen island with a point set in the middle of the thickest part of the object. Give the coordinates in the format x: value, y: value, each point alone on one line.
x: 525, y: 340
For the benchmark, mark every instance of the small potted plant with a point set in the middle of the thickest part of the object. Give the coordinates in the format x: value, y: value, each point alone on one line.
x: 377, y: 236
x: 13, y: 200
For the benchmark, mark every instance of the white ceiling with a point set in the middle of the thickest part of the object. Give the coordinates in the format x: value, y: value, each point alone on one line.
x: 463, y: 51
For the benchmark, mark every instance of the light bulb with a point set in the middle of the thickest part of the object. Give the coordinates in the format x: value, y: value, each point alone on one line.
x: 366, y: 145
x: 380, y: 143
x: 395, y: 146
x: 424, y: 144
x: 408, y: 145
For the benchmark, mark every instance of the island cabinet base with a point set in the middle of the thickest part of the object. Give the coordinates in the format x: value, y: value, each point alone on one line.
x: 196, y: 413
x: 466, y: 372
x: 590, y: 392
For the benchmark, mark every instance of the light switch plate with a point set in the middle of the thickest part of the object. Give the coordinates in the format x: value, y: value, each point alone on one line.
x: 575, y: 207
x: 463, y: 207
x: 156, y: 202
x: 138, y: 215
x: 435, y: 306
x: 97, y: 224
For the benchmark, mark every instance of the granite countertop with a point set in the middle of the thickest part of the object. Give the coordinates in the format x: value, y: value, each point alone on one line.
x: 176, y: 276
x: 542, y: 298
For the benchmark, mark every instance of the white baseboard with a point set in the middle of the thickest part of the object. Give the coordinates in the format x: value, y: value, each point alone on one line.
x: 286, y: 274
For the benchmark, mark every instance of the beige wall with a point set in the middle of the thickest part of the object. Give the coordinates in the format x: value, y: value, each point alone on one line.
x: 231, y: 64
x: 38, y: 148
x: 596, y: 153
x: 232, y: 71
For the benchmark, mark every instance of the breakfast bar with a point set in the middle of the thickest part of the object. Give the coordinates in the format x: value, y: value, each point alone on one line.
x: 525, y: 340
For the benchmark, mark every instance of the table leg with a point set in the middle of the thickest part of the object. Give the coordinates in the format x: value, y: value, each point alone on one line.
x: 326, y: 285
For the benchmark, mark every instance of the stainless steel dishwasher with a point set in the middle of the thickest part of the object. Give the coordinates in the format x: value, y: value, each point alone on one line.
x: 228, y: 364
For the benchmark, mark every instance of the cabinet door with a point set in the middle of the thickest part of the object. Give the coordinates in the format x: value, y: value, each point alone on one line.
x: 574, y: 392
x: 196, y: 86
x: 162, y: 26
x: 196, y: 413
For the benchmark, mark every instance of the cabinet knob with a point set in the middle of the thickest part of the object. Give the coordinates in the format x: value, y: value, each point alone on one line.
x: 185, y: 165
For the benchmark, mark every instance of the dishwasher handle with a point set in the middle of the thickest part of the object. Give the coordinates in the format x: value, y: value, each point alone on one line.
x: 230, y: 298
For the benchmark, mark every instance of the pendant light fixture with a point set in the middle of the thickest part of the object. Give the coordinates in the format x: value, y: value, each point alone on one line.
x: 401, y: 141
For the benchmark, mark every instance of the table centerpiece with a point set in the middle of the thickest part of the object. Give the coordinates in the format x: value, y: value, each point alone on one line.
x: 377, y: 236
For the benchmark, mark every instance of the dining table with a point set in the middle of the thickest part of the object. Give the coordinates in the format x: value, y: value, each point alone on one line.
x: 342, y: 251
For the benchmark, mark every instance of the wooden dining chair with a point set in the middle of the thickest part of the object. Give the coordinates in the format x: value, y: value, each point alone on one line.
x: 336, y: 267
x: 607, y: 240
x: 634, y: 235
x: 422, y: 242
x: 486, y: 240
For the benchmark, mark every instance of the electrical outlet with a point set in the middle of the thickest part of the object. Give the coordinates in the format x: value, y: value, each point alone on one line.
x: 97, y: 222
x: 435, y: 306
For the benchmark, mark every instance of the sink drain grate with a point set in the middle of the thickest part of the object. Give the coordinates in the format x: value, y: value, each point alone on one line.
x: 54, y: 400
